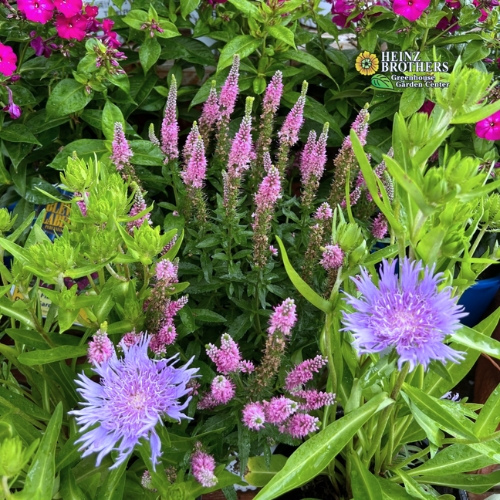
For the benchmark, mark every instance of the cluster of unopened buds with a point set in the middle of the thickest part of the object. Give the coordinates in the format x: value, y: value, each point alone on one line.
x: 152, y: 26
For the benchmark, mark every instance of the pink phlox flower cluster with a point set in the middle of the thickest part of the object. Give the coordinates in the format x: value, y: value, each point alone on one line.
x: 38, y: 11
x: 303, y: 373
x: 227, y: 358
x: 121, y: 150
x: 283, y: 318
x: 254, y: 416
x: 324, y: 212
x: 196, y: 169
x: 169, y: 126
x: 300, y: 425
x: 410, y: 9
x: 71, y: 28
x: 166, y: 272
x: 229, y: 91
x: 274, y: 91
x: 289, y: 133
x: 203, y: 467
x: 222, y: 389
x: 313, y: 399
x: 100, y: 348
x: 8, y: 60
x: 68, y: 8
x: 278, y: 409
x: 379, y: 226
x: 489, y: 128
x: 333, y: 257
x: 138, y: 207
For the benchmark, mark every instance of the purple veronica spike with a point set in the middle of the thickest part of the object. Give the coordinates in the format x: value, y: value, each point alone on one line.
x: 133, y: 395
x: 169, y: 126
x: 409, y: 314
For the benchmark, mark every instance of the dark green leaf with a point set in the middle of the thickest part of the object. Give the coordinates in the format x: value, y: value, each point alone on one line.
x: 111, y: 114
x: 243, y: 45
x: 68, y: 96
x: 149, y: 53
x: 84, y: 148
x: 17, y: 132
x: 43, y: 357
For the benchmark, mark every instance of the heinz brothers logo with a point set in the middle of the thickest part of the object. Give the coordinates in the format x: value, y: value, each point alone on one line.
x: 400, y: 62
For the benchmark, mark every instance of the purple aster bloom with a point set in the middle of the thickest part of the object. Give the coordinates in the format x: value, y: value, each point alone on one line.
x: 409, y: 314
x: 133, y: 395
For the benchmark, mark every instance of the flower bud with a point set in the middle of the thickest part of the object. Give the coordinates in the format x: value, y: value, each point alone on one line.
x: 11, y: 456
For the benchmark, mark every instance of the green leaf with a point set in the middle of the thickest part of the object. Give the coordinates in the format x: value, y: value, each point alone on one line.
x: 43, y: 357
x: 208, y: 316
x: 304, y: 289
x: 260, y: 473
x: 477, y: 115
x: 149, y: 53
x: 409, y: 185
x: 311, y: 458
x: 475, y: 483
x: 114, y: 485
x: 489, y: 417
x: 475, y: 51
x: 69, y: 489
x: 412, y: 487
x: 21, y: 406
x: 243, y: 45
x: 368, y: 40
x: 17, y: 132
x: 392, y: 491
x: 411, y: 101
x: 136, y: 18
x: 453, y: 459
x: 188, y: 6
x: 111, y: 114
x: 308, y: 59
x: 169, y: 29
x: 146, y: 153
x: 246, y: 7
x: 16, y: 310
x: 364, y: 484
x: 283, y: 34
x: 84, y: 148
x: 68, y: 96
x: 41, y: 474
x: 471, y: 338
x: 439, y: 411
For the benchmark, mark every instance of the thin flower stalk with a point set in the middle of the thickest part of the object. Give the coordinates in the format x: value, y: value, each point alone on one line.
x: 345, y: 163
x: 289, y: 133
x: 265, y: 200
x: 227, y: 100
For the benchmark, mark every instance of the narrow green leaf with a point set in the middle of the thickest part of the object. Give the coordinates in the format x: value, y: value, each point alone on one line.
x: 413, y: 488
x: 392, y: 491
x: 438, y: 410
x: 477, y: 115
x: 475, y: 483
x: 371, y: 182
x: 16, y: 310
x: 41, y: 474
x: 304, y: 289
x: 69, y: 489
x: 208, y: 316
x: 364, y: 484
x: 489, y: 417
x: 259, y: 473
x: 451, y: 460
x: 315, y: 454
x: 114, y: 485
x: 475, y: 340
x: 308, y: 59
x: 43, y: 357
x: 21, y: 406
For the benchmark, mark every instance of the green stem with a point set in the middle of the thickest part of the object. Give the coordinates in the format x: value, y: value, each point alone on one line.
x: 383, y: 419
x: 5, y: 488
x: 424, y: 40
x: 478, y: 240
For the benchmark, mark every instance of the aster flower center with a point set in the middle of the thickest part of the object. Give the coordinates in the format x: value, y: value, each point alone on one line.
x: 138, y: 401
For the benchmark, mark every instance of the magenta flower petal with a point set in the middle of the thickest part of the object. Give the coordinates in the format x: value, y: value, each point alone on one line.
x: 489, y: 128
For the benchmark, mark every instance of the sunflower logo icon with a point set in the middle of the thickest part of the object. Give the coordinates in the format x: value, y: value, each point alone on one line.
x: 366, y: 63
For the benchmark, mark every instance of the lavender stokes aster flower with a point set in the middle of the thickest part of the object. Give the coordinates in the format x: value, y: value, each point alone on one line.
x: 409, y: 314
x: 133, y: 395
